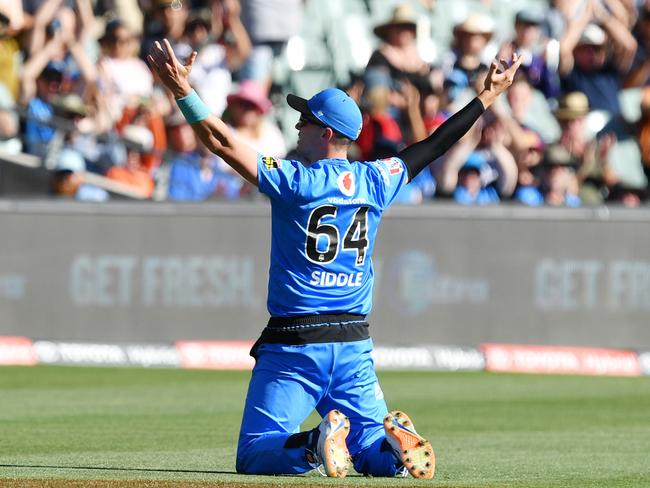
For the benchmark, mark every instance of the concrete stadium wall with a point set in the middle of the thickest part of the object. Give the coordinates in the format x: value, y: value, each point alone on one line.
x: 444, y: 274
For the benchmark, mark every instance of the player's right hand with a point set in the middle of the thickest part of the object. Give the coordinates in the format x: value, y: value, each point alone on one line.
x: 171, y: 71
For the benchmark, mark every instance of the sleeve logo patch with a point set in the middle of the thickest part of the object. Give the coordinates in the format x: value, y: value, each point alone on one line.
x: 394, y: 166
x: 271, y: 163
x: 382, y: 171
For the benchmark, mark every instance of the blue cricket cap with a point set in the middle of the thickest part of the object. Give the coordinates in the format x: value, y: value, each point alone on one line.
x: 331, y: 108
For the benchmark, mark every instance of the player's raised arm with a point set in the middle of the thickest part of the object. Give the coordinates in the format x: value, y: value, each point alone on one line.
x: 419, y: 155
x: 212, y: 131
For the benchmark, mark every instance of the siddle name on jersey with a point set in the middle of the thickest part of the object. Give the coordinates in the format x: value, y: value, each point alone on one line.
x: 325, y: 278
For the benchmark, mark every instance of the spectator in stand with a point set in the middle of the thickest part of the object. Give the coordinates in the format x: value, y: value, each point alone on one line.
x: 38, y: 130
x: 129, y: 85
x: 380, y: 136
x: 559, y: 184
x: 270, y: 24
x: 67, y: 19
x: 195, y: 173
x: 146, y: 112
x: 471, y: 189
x: 164, y: 19
x: 398, y: 54
x: 247, y: 110
x: 479, y: 169
x: 71, y: 183
x: 469, y: 53
x: 628, y: 196
x: 192, y: 175
x: 131, y: 12
x: 125, y: 78
x: 594, y: 59
x: 222, y: 45
x: 64, y: 155
x: 139, y: 141
x: 58, y: 36
x: 623, y: 147
x: 529, y: 157
x: 571, y: 114
x: 68, y: 108
x: 11, y: 24
x: 435, y: 102
x: 530, y: 109
x: 530, y: 44
x: 589, y: 155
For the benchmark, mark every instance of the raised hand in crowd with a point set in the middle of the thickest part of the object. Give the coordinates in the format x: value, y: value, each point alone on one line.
x: 413, y: 113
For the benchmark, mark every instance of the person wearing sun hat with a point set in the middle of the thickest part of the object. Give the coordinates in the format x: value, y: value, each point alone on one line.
x: 247, y: 109
x: 471, y: 38
x: 402, y: 16
x: 316, y: 349
x: 398, y: 52
x: 252, y: 93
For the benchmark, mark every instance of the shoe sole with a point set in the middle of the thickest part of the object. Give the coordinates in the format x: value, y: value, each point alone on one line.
x: 417, y: 454
x: 335, y: 455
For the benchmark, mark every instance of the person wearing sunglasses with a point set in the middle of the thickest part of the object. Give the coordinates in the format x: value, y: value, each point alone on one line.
x: 315, y: 352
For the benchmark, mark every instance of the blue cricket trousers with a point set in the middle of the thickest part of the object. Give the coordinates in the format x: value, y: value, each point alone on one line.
x: 289, y: 382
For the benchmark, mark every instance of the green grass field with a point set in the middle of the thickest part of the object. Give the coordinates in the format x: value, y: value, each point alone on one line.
x: 169, y: 428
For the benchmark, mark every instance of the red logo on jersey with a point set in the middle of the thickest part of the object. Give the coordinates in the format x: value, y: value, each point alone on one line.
x: 346, y: 183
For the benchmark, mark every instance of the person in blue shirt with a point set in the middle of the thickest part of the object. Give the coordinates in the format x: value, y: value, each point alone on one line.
x: 38, y: 129
x: 315, y: 352
x: 470, y: 189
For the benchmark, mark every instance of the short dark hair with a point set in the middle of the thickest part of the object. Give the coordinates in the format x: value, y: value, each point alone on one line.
x: 340, y: 140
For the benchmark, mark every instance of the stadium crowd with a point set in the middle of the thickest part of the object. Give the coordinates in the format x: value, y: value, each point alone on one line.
x: 573, y: 130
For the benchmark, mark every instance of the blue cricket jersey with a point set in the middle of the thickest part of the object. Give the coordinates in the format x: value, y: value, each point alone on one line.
x: 324, y: 222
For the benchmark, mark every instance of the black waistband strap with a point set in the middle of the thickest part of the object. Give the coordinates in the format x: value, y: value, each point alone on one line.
x: 313, y: 321
x: 310, y: 329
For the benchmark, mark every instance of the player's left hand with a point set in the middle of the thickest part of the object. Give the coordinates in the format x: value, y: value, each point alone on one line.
x: 171, y: 71
x: 499, y: 79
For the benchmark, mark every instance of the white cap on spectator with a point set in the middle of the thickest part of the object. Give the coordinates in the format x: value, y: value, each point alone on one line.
x: 477, y: 23
x: 593, y: 35
x: 138, y: 137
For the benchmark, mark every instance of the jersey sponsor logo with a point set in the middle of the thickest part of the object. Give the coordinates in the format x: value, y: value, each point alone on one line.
x: 347, y: 201
x: 394, y: 166
x: 329, y: 280
x: 346, y: 183
x: 271, y: 163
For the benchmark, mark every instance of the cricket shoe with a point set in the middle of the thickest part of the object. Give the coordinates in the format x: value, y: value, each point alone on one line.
x: 331, y: 451
x: 414, y: 451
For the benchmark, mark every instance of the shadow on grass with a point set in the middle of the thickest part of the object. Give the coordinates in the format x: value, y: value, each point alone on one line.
x: 109, y: 468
